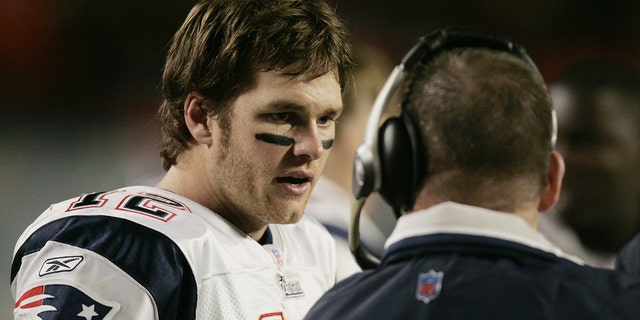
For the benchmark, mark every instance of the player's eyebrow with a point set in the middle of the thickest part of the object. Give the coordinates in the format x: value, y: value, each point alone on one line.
x: 286, y: 141
x: 286, y: 105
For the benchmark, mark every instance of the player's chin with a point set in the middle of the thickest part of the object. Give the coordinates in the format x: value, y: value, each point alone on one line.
x: 290, y: 208
x: 291, y: 214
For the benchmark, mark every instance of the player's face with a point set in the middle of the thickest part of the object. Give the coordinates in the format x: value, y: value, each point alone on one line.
x: 281, y: 130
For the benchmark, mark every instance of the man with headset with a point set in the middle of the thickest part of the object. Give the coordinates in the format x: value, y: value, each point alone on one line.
x: 477, y: 132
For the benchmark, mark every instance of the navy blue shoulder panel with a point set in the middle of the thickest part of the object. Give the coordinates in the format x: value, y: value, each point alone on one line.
x: 148, y: 256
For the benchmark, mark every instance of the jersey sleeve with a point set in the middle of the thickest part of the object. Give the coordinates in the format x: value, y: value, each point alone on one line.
x: 101, y: 267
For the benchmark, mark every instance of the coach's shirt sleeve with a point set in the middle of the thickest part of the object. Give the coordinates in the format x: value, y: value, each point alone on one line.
x: 101, y: 267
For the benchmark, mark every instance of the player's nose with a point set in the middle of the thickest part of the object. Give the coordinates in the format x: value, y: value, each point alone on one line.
x: 308, y: 143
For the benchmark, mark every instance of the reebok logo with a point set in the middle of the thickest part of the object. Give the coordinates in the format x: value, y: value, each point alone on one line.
x: 60, y: 264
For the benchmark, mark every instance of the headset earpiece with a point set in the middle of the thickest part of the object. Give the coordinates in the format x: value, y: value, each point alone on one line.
x: 401, y: 162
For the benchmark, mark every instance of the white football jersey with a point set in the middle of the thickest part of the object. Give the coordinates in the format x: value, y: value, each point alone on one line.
x: 146, y: 253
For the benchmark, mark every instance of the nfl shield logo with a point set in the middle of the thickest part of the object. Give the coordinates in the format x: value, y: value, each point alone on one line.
x: 429, y: 285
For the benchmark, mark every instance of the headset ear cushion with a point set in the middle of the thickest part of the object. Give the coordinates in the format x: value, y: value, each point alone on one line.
x: 396, y: 162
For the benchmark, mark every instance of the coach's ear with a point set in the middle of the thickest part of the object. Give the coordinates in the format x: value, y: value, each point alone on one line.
x: 196, y: 118
x: 555, y: 173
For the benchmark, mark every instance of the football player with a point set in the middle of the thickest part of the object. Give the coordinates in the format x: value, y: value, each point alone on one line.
x: 251, y: 92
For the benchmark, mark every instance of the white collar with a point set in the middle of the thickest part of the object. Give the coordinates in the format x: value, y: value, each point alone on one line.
x: 451, y: 217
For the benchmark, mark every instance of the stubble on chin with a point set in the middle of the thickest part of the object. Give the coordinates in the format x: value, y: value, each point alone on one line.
x: 287, y: 216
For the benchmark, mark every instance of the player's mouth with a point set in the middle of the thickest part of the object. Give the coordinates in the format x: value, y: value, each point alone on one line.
x: 296, y: 183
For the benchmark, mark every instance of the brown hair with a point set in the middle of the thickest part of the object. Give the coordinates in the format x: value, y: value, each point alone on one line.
x: 486, y: 121
x: 223, y: 43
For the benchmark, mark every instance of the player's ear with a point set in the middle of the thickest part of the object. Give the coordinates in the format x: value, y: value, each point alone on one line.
x: 196, y: 118
x: 555, y: 173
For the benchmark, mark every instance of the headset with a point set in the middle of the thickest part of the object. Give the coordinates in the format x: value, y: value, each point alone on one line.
x: 390, y: 160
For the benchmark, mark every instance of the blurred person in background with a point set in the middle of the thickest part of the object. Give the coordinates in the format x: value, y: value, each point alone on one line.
x: 251, y: 93
x: 330, y: 200
x: 598, y: 108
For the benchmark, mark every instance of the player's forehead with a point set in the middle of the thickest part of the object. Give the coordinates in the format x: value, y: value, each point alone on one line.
x: 280, y: 91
